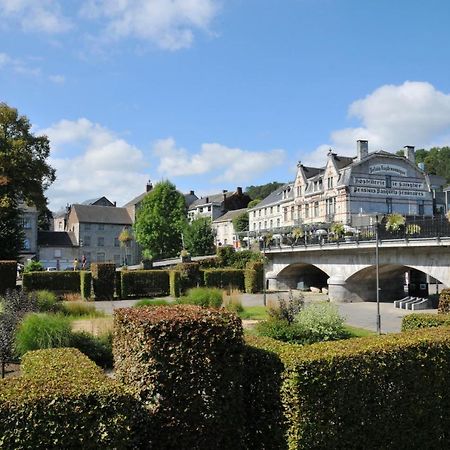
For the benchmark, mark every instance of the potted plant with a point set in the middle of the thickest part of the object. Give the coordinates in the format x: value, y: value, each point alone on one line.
x: 185, y: 256
x: 337, y: 230
x: 348, y: 236
x: 147, y: 260
x: 297, y: 233
x: 395, y: 222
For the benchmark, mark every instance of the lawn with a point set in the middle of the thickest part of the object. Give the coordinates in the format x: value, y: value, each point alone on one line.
x: 254, y: 313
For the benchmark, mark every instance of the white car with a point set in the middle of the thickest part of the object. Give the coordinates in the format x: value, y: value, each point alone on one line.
x: 51, y: 269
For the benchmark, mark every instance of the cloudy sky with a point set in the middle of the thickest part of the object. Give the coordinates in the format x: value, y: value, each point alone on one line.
x: 214, y: 94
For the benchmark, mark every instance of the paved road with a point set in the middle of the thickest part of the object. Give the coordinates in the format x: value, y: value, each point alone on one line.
x: 362, y: 315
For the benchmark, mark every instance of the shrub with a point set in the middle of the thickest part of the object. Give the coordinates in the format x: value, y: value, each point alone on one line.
x: 415, y: 321
x: 189, y: 275
x: 46, y: 301
x: 80, y: 309
x: 321, y: 322
x: 225, y: 256
x: 207, y: 263
x: 33, y: 266
x: 211, y: 297
x: 444, y: 302
x: 175, y: 283
x: 59, y: 282
x: 103, y: 277
x: 281, y: 330
x: 254, y: 277
x: 139, y: 283
x: 38, y: 331
x: 184, y: 363
x: 118, y: 282
x: 370, y: 389
x: 63, y: 400
x: 85, y: 284
x: 224, y: 278
x: 97, y: 349
x: 287, y: 310
x: 8, y: 274
x: 151, y: 302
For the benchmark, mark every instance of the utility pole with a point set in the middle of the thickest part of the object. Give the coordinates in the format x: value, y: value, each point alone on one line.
x: 377, y: 269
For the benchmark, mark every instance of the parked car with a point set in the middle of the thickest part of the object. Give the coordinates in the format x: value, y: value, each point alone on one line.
x: 51, y: 269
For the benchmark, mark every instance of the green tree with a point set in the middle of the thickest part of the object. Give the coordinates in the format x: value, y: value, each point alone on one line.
x: 199, y: 237
x: 240, y: 222
x: 262, y: 191
x: 160, y: 221
x: 24, y: 175
x: 253, y: 203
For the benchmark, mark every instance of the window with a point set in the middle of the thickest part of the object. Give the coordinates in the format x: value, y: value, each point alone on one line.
x: 101, y: 257
x: 265, y: 211
x: 316, y: 209
x: 292, y: 212
x: 285, y: 214
x: 259, y: 213
x: 101, y: 226
x: 330, y: 182
x: 389, y: 205
x: 278, y: 208
x: 60, y: 225
x: 271, y: 210
x: 271, y: 223
x: 209, y: 208
x: 116, y: 242
x: 254, y: 214
x: 299, y: 191
x: 117, y: 260
x: 388, y: 181
x: 421, y: 208
x: 100, y: 241
x: 265, y: 224
x: 254, y: 226
x: 87, y: 241
x: 320, y: 185
x: 306, y: 211
x: 87, y: 226
x: 278, y: 222
x: 331, y: 205
x: 259, y: 225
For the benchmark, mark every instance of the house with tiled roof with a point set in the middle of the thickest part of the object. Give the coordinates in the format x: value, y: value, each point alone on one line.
x: 58, y: 249
x: 224, y: 230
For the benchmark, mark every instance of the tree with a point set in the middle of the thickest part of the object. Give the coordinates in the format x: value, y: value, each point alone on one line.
x: 199, y: 237
x: 253, y: 203
x: 240, y: 222
x: 263, y: 190
x: 160, y: 221
x: 24, y: 175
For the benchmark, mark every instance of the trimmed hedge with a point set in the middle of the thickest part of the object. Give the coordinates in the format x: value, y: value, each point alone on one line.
x: 103, y: 277
x: 63, y: 400
x: 85, y: 284
x: 444, y: 302
x: 175, y: 283
x: 416, y: 321
x: 224, y: 278
x: 190, y: 275
x: 372, y: 392
x: 61, y: 281
x: 254, y: 277
x: 184, y: 363
x: 118, y: 283
x: 140, y: 283
x: 8, y: 274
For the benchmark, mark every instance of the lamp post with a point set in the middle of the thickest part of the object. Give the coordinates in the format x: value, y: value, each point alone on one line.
x: 377, y: 269
x: 264, y: 273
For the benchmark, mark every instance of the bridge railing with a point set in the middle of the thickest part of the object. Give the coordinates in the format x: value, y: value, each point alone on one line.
x: 414, y: 228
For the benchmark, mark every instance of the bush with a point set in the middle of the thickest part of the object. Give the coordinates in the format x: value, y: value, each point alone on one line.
x: 367, y: 392
x: 243, y: 258
x: 140, y: 283
x: 47, y: 301
x: 103, y: 277
x: 224, y: 278
x: 97, y: 349
x: 416, y: 321
x: 85, y: 284
x: 151, y: 302
x: 63, y: 400
x: 225, y: 256
x: 80, y: 309
x: 59, y: 282
x: 8, y: 274
x: 39, y: 331
x: 321, y: 322
x: 33, y: 266
x: 207, y: 263
x: 184, y: 363
x: 211, y: 297
x: 288, y: 309
x: 281, y: 330
x: 254, y: 277
x: 444, y: 302
x: 189, y: 275
x: 175, y: 283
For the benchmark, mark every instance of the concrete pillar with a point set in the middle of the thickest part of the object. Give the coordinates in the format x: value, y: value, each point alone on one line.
x: 340, y: 292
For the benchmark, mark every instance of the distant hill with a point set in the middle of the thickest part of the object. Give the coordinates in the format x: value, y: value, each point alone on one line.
x: 262, y: 191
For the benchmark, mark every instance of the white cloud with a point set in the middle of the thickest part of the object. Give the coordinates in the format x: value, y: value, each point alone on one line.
x: 35, y: 15
x: 170, y: 24
x: 18, y: 66
x: 57, y: 79
x: 414, y: 113
x: 223, y: 164
x: 104, y: 164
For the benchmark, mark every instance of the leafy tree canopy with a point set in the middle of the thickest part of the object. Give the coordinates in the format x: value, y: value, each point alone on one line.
x: 240, y: 222
x: 253, y: 203
x: 199, y: 237
x: 160, y: 221
x: 262, y: 191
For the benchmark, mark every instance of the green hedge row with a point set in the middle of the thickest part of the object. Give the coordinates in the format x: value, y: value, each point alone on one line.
x: 225, y: 278
x: 141, y: 283
x: 184, y: 362
x: 85, y: 284
x: 8, y: 274
x: 61, y: 282
x: 367, y: 393
x: 103, y: 278
x: 415, y: 321
x: 175, y: 283
x: 254, y: 277
x: 190, y: 275
x: 63, y: 400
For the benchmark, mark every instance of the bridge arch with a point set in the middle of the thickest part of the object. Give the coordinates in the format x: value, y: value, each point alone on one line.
x: 303, y: 275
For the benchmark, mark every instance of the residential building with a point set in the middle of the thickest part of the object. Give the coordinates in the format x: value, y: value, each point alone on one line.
x: 29, y: 216
x: 224, y: 230
x: 58, y: 249
x: 216, y: 205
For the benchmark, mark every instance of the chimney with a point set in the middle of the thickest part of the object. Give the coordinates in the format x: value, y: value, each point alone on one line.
x: 362, y: 149
x: 239, y: 190
x: 409, y: 153
x: 115, y: 203
x: 191, y: 193
x: 149, y: 186
x: 207, y: 200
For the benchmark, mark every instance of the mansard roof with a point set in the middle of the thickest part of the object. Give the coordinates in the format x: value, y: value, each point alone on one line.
x: 276, y: 196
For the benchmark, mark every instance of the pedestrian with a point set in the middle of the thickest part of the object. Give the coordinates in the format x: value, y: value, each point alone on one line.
x: 83, y: 262
x: 75, y: 264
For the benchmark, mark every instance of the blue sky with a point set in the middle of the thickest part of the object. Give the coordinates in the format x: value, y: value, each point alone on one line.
x: 213, y: 94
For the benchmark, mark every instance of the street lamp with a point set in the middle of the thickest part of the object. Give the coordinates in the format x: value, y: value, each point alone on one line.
x: 264, y: 272
x: 377, y: 269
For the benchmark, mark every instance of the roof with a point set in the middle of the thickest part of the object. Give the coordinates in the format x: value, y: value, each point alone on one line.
x: 207, y: 199
x: 57, y: 239
x: 230, y: 215
x: 101, y: 214
x: 342, y: 161
x: 189, y: 198
x: 312, y: 171
x: 275, y: 196
x: 61, y: 213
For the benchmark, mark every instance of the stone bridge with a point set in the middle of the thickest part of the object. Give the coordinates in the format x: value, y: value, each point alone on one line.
x: 348, y: 269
